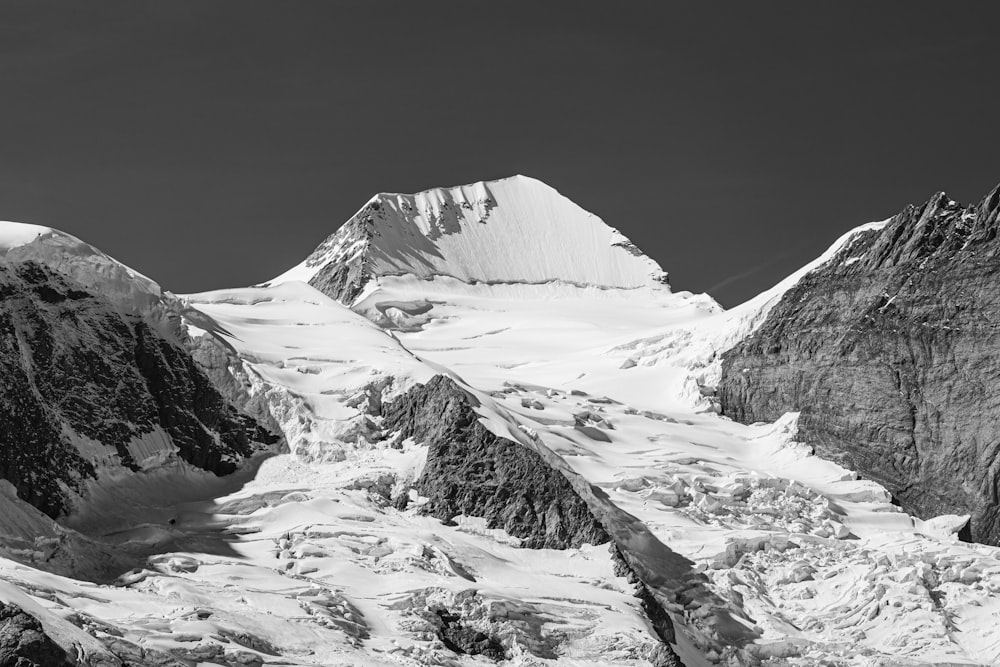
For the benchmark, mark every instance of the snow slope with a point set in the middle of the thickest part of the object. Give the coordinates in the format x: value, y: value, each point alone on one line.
x: 310, y: 563
x: 126, y: 287
x: 743, y: 319
x: 823, y: 563
x: 513, y: 230
x: 697, y: 345
x: 891, y: 588
x: 319, y: 362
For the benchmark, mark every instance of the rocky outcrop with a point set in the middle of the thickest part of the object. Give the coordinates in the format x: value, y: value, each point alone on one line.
x: 474, y: 472
x: 85, y: 385
x: 464, y: 639
x: 891, y: 352
x: 23, y: 642
x: 341, y: 261
x: 343, y: 282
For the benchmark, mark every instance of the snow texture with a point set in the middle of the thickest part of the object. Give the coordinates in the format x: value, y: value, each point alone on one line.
x: 85, y: 264
x: 309, y: 559
x: 514, y: 230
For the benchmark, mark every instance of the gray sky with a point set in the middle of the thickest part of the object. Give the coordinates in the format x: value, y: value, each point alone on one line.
x: 214, y: 143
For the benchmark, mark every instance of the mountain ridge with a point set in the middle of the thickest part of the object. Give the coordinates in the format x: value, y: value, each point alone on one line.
x: 887, y: 349
x: 439, y: 429
x: 130, y: 290
x: 511, y: 230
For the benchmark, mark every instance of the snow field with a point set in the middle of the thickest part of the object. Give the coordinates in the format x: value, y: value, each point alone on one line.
x: 305, y: 560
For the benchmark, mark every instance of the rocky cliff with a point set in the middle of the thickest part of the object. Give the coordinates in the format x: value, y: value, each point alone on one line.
x: 23, y: 642
x: 891, y: 352
x: 86, y: 386
x: 474, y: 472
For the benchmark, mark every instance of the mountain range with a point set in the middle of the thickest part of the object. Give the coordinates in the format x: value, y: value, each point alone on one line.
x: 477, y: 426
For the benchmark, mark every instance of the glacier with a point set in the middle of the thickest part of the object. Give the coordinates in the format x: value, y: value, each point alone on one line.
x: 567, y: 342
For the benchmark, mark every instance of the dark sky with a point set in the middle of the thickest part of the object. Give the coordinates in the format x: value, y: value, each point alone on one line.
x: 213, y: 144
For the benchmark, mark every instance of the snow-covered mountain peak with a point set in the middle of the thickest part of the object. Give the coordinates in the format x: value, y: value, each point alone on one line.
x: 507, y: 448
x: 512, y: 230
x: 91, y: 268
x: 14, y: 234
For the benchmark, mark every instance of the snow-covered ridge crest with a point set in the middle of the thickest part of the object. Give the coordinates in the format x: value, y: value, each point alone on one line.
x: 14, y: 234
x: 696, y: 346
x: 513, y: 230
x: 94, y: 270
x: 750, y: 314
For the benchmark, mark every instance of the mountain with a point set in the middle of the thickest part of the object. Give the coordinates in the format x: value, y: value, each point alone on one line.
x: 514, y: 230
x: 96, y: 382
x: 887, y: 349
x: 126, y: 288
x: 500, y: 443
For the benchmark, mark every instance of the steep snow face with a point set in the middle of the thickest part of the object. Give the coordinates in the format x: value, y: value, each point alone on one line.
x: 126, y: 288
x: 514, y: 230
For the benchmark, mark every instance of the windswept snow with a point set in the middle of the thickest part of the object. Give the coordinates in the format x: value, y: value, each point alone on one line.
x: 512, y: 230
x: 14, y: 234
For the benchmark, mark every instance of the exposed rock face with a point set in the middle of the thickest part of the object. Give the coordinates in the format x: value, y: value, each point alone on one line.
x: 341, y: 260
x: 84, y: 385
x: 86, y: 266
x: 343, y: 282
x: 23, y: 642
x: 464, y: 639
x: 890, y: 353
x: 474, y: 472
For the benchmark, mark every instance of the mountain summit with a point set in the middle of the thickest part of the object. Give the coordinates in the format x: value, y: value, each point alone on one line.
x: 512, y: 230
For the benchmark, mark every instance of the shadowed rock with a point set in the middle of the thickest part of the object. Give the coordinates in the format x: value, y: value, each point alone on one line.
x: 75, y: 368
x: 464, y: 639
x: 23, y: 642
x: 532, y: 494
x: 890, y: 352
x: 474, y: 472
